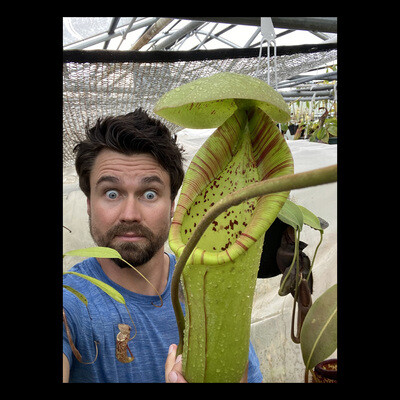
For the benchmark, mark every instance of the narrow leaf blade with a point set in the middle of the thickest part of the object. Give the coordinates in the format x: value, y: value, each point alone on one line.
x: 79, y: 295
x: 103, y: 286
x: 100, y: 252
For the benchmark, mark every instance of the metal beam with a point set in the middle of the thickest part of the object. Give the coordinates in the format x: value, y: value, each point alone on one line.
x: 111, y: 30
x: 252, y: 37
x: 151, y: 32
x: 126, y: 31
x: 216, y: 34
x: 305, y: 98
x: 255, y: 21
x: 82, y: 44
x: 206, y: 37
x: 221, y: 39
x: 293, y: 82
x: 169, y: 41
x: 307, y: 93
x: 320, y: 35
x: 319, y: 24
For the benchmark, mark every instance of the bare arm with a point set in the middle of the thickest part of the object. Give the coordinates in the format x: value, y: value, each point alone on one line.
x: 65, y: 369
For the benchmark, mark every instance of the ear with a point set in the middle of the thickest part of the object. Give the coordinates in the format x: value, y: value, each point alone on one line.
x: 88, y: 205
x: 172, y: 209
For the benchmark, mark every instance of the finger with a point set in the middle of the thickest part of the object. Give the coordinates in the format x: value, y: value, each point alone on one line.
x: 170, y: 361
x: 175, y: 376
x: 244, y: 377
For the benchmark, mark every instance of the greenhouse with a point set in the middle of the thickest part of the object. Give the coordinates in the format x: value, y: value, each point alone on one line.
x: 252, y: 101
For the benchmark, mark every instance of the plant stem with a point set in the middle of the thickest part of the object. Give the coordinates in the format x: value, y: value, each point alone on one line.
x: 295, y: 257
x: 296, y: 339
x: 315, y: 254
x: 315, y: 177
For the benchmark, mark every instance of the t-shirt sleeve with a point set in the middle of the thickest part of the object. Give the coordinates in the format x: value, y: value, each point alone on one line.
x: 254, y: 373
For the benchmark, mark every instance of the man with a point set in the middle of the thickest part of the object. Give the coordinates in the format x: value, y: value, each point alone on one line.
x: 130, y: 169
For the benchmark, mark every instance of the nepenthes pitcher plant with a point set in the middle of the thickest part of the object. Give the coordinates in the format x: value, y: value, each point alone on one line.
x: 218, y: 264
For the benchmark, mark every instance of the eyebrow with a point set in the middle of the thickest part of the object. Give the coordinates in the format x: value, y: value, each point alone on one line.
x: 152, y: 179
x: 145, y: 180
x: 107, y: 178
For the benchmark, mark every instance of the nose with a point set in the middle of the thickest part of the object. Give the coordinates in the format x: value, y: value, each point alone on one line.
x: 130, y: 210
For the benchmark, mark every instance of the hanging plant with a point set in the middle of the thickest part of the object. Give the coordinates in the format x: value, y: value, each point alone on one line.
x: 218, y: 243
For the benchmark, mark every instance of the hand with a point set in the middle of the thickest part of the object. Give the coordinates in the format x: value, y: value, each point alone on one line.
x: 244, y: 377
x: 173, y: 366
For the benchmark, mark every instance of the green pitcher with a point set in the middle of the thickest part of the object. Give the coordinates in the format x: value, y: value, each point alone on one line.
x: 220, y: 275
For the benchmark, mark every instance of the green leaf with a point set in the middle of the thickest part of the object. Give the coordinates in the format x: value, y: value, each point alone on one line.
x: 79, y: 295
x: 103, y: 286
x: 320, y: 133
x: 310, y: 219
x: 331, y: 121
x: 332, y: 129
x: 100, y: 252
x: 291, y: 214
x: 318, y: 337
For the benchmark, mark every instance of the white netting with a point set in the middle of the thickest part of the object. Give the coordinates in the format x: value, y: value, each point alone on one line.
x: 97, y: 89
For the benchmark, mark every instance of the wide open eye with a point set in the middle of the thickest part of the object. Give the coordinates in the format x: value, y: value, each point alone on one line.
x: 150, y: 195
x: 111, y: 194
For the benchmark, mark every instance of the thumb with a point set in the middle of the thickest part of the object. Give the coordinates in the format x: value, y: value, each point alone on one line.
x: 173, y: 367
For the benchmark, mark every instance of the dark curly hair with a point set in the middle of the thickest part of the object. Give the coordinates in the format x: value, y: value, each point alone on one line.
x: 132, y: 133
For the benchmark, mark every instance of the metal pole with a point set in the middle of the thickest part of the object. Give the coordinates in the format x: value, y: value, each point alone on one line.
x: 328, y: 76
x: 151, y: 32
x: 105, y: 36
x: 178, y: 35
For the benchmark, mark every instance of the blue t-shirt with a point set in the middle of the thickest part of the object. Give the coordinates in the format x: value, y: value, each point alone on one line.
x: 156, y: 330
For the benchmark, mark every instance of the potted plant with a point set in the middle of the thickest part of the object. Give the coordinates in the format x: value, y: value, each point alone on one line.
x: 326, y: 132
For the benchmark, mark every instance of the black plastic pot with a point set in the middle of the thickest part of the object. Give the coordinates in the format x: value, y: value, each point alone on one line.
x: 325, y: 371
x: 332, y: 140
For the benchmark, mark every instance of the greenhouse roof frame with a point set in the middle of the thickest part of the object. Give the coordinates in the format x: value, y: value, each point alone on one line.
x: 168, y: 33
x: 174, y: 34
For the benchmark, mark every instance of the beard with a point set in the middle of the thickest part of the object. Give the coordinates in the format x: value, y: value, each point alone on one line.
x: 134, y: 253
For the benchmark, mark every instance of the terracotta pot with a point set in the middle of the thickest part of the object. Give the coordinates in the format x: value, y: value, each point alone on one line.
x: 325, y: 372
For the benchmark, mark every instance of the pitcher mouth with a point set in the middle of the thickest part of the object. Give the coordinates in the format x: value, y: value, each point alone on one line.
x: 246, y: 149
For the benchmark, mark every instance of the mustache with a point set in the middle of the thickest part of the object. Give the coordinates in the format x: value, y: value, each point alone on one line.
x: 131, y: 227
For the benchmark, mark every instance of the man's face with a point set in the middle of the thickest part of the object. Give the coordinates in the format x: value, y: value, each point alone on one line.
x: 130, y: 205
